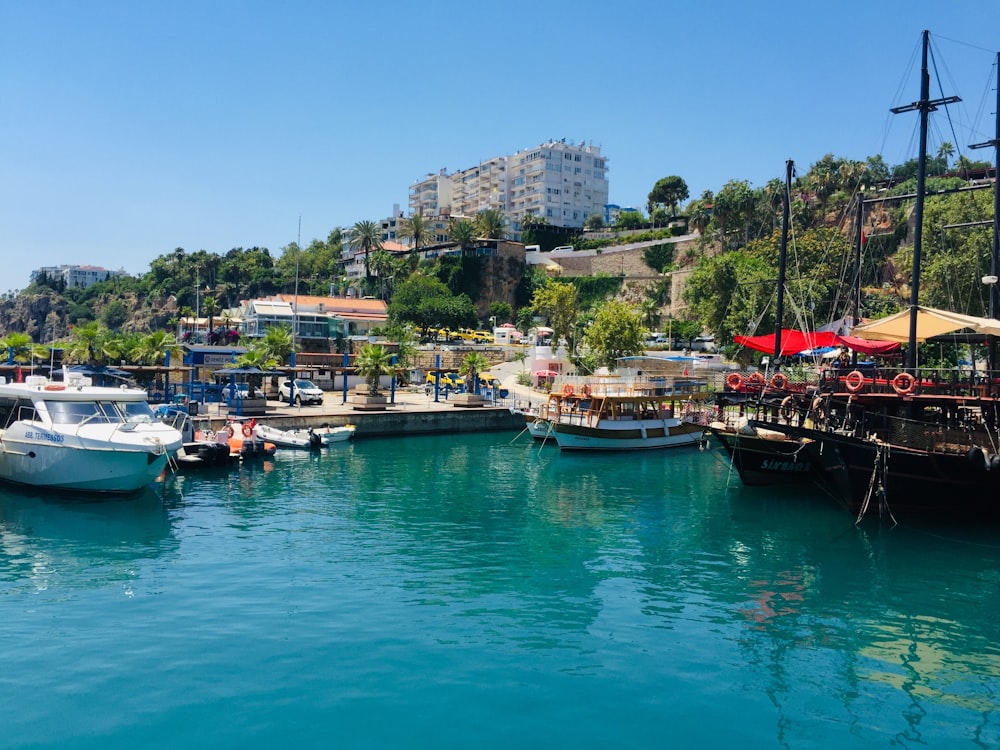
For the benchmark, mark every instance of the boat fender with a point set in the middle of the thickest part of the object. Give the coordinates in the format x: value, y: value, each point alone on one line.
x: 994, y: 464
x: 977, y: 457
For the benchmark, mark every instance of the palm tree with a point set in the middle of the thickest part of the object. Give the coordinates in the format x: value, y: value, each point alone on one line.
x: 279, y: 342
x: 18, y: 345
x: 490, y: 223
x: 463, y: 232
x: 260, y: 356
x: 471, y: 366
x: 383, y: 267
x: 151, y: 349
x: 372, y: 363
x: 86, y: 343
x: 366, y: 236
x: 415, y: 228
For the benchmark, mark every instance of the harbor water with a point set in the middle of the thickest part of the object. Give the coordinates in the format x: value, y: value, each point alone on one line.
x: 466, y: 591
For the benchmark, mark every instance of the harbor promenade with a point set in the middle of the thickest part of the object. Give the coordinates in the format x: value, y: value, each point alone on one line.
x: 410, y: 410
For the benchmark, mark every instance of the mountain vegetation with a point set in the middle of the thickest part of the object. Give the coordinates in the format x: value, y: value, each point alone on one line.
x: 730, y: 268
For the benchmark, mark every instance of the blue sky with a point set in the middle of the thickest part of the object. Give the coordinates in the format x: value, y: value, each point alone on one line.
x: 132, y: 128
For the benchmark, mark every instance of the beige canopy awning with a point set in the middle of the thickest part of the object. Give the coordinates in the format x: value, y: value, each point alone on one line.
x: 930, y: 323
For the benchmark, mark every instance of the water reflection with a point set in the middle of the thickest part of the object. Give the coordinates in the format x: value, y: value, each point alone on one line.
x: 67, y: 541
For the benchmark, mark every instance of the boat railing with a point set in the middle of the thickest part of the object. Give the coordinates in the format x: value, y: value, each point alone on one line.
x: 941, y: 433
x: 928, y: 381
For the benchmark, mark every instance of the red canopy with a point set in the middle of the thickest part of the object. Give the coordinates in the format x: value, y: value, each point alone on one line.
x: 793, y: 342
x: 865, y: 346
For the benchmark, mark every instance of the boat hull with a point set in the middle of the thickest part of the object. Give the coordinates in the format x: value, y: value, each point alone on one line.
x: 914, y: 483
x: 628, y: 436
x: 110, y: 469
x: 765, y: 460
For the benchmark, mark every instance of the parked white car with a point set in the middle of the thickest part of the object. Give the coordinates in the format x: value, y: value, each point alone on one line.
x: 305, y: 391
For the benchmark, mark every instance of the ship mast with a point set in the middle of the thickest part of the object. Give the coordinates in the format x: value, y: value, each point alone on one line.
x: 995, y: 254
x: 779, y: 310
x: 925, y: 105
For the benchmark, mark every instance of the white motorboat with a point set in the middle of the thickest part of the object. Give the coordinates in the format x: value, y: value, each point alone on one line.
x: 329, y: 435
x: 287, y: 438
x: 72, y: 435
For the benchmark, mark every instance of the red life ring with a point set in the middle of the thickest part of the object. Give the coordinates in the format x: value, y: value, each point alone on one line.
x: 903, y: 383
x: 854, y: 381
x: 756, y: 378
x: 567, y: 390
x: 585, y: 391
x: 779, y: 381
x: 247, y: 430
x: 735, y: 381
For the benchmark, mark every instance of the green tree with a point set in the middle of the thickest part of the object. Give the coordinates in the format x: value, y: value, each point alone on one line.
x: 473, y: 364
x: 463, y: 232
x: 373, y: 362
x: 615, y: 332
x: 279, y: 342
x: 557, y: 303
x: 426, y: 302
x: 594, y: 222
x: 366, y: 237
x: 491, y: 224
x: 115, y: 314
x: 668, y: 191
x: 417, y: 229
x: 17, y: 345
x: 502, y: 311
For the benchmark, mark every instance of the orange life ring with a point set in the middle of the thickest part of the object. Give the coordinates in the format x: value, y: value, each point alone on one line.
x: 567, y: 390
x: 779, y: 380
x: 55, y: 387
x: 854, y: 381
x: 756, y: 378
x: 903, y: 383
x: 735, y: 381
x: 247, y: 430
x: 585, y: 391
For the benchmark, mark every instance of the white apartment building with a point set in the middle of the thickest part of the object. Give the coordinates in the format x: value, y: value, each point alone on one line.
x: 562, y: 182
x: 77, y: 276
x: 432, y: 196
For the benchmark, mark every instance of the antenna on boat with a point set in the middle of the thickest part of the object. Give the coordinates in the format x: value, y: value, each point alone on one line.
x: 995, y: 255
x: 925, y: 105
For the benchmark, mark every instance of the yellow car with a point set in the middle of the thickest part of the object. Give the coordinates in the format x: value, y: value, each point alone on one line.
x: 488, y: 380
x: 450, y: 379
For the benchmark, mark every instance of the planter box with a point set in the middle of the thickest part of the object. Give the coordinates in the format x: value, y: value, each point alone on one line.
x: 361, y: 401
x: 467, y: 400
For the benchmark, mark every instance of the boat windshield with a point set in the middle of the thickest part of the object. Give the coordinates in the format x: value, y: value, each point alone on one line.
x: 101, y: 412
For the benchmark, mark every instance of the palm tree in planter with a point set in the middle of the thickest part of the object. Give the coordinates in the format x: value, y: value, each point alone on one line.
x: 471, y: 366
x: 372, y: 363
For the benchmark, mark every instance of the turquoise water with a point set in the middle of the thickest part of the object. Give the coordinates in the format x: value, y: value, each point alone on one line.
x: 459, y: 591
